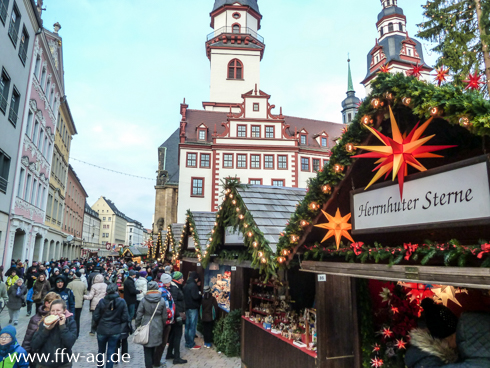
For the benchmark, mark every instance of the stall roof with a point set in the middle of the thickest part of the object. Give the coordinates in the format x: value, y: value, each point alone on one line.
x: 204, y: 224
x: 271, y: 208
x: 136, y: 251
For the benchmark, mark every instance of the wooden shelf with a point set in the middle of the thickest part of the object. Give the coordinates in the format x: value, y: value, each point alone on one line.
x: 266, y: 299
x: 263, y: 285
x: 259, y: 312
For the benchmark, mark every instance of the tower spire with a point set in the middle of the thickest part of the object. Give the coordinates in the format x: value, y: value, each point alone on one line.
x: 350, y: 86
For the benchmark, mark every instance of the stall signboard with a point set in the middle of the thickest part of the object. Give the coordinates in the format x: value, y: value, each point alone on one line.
x: 454, y: 195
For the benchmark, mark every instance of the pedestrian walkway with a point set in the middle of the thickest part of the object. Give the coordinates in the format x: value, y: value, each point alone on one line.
x: 203, y: 358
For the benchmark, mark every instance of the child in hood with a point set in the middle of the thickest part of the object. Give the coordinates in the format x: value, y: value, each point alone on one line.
x: 11, y: 353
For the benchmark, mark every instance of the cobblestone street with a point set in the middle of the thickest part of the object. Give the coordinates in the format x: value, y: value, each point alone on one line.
x: 88, y: 344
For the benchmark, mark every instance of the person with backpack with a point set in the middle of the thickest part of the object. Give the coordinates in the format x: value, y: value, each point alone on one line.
x: 110, y: 318
x: 173, y: 351
x: 152, y: 310
x: 40, y: 289
x: 31, y: 276
x: 164, y: 286
x: 208, y: 313
x: 12, y: 355
x: 65, y: 294
x: 97, y: 292
x: 17, y: 294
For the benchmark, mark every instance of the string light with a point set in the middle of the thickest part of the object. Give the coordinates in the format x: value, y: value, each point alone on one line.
x: 294, y: 238
x: 349, y: 147
x: 464, y: 122
x: 255, y: 244
x: 406, y: 101
x: 313, y: 205
x: 376, y: 103
x: 304, y: 223
x: 366, y: 120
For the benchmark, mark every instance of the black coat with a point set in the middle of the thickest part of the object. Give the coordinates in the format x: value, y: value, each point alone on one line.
x: 48, y: 341
x: 33, y: 326
x: 178, y: 297
x: 130, y: 291
x: 90, y: 279
x: 31, y: 276
x: 192, y: 296
x: 111, y: 315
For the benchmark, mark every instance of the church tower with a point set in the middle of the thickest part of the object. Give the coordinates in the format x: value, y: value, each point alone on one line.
x: 235, y: 50
x: 394, y: 47
x: 350, y: 104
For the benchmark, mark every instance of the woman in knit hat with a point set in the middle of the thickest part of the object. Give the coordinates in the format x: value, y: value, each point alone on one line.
x: 141, y: 284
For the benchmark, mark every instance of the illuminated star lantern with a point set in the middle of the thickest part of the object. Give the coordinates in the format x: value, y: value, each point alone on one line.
x: 416, y: 71
x: 376, y: 362
x: 386, y: 332
x: 441, y: 75
x: 384, y: 68
x: 399, y: 152
x: 337, y: 226
x: 400, y: 344
x: 444, y: 293
x: 473, y: 81
x: 376, y: 348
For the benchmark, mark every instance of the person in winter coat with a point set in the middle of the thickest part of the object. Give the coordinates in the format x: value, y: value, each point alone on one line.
x: 31, y: 276
x: 97, y: 292
x: 33, y: 325
x: 79, y: 290
x: 142, y: 285
x: 91, y: 278
x: 110, y: 317
x: 40, y: 289
x: 54, y: 275
x: 9, y: 347
x: 17, y: 294
x: 164, y: 286
x: 208, y: 314
x: 3, y: 295
x: 83, y: 277
x: 120, y: 283
x: 12, y: 279
x: 152, y: 305
x: 130, y: 293
x: 192, y: 298
x: 66, y: 294
x: 173, y: 351
x: 59, y: 337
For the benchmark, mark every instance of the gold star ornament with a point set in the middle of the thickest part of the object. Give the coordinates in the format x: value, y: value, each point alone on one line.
x: 337, y: 226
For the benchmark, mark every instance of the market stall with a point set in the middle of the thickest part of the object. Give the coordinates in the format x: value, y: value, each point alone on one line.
x: 135, y: 254
x: 378, y: 249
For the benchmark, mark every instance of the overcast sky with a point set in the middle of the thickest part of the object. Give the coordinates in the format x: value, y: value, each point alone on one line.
x: 130, y: 63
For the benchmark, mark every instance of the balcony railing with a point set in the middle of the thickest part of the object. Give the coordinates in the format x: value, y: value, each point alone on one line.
x: 12, y: 116
x: 232, y: 30
x: 3, y: 185
x: 3, y: 103
x: 3, y: 12
x: 13, y: 33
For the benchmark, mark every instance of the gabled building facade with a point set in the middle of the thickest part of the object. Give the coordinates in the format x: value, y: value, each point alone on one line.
x: 238, y: 134
x: 394, y: 48
x: 19, y: 22
x: 113, y: 222
x: 91, y: 230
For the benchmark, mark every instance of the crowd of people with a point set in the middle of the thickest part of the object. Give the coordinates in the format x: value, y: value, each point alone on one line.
x: 122, y: 297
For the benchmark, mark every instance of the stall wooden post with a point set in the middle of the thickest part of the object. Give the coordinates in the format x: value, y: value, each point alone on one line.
x: 336, y: 322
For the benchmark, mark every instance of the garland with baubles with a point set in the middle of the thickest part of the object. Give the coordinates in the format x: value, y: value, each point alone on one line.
x: 233, y: 213
x: 458, y: 106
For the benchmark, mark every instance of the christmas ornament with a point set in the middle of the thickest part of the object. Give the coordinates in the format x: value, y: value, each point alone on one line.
x: 441, y: 75
x: 337, y: 226
x: 473, y: 81
x: 400, y: 344
x: 386, y: 332
x: 415, y: 71
x: 376, y: 362
x: 384, y: 68
x: 399, y: 152
x: 376, y: 348
x: 385, y: 294
x: 443, y: 293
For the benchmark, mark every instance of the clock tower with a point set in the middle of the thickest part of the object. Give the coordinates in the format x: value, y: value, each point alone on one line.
x: 235, y: 50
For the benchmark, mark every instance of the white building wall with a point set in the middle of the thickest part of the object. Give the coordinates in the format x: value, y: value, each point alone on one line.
x: 231, y: 90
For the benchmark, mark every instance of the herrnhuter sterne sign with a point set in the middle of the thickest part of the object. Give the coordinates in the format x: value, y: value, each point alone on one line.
x: 454, y: 194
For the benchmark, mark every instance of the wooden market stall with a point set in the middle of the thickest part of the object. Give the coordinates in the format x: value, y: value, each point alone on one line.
x: 135, y: 254
x: 419, y: 236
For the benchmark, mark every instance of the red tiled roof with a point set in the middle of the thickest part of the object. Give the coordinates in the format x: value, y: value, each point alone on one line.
x: 211, y: 118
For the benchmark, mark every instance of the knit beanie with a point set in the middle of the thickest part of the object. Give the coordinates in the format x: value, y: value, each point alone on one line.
x: 166, y: 278
x: 143, y: 273
x: 439, y: 319
x: 177, y: 275
x: 152, y: 285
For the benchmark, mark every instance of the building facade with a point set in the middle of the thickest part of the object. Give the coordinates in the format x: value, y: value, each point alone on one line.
x: 237, y: 134
x: 75, y: 199
x: 394, y: 48
x: 19, y: 21
x: 27, y: 230
x: 134, y: 233
x: 113, y: 222
x: 91, y: 230
x: 55, y: 208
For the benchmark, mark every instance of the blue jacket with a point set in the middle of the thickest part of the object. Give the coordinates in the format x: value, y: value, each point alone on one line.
x: 14, y: 355
x: 66, y: 295
x: 473, y: 340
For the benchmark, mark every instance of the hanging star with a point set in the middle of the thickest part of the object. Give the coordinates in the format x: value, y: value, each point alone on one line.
x: 441, y: 75
x: 386, y: 332
x: 399, y: 152
x: 443, y: 293
x: 376, y: 348
x: 385, y: 295
x: 400, y: 344
x: 415, y: 71
x: 395, y: 310
x: 376, y: 362
x: 473, y: 81
x: 384, y: 68
x: 337, y: 226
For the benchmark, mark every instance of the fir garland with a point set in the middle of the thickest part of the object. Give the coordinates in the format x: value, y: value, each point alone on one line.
x: 458, y: 107
x: 233, y: 213
x: 227, y: 334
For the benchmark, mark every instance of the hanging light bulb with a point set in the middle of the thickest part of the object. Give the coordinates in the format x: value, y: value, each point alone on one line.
x: 231, y: 196
x: 349, y: 147
x: 255, y: 244
x: 245, y: 226
x: 285, y: 252
x: 406, y: 101
x: 314, y: 206
x: 280, y: 259
x: 210, y: 239
x: 435, y: 111
x: 338, y: 168
x: 366, y: 120
x: 264, y: 260
x: 233, y: 202
x: 294, y: 238
x: 304, y: 223
x: 464, y: 122
x: 376, y: 103
x: 260, y: 254
x: 241, y: 217
x: 238, y: 209
x: 326, y: 188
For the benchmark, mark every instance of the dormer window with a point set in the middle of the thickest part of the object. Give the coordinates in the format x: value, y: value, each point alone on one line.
x: 324, y: 142
x: 390, y: 27
x: 256, y: 107
x: 202, y: 134
x: 409, y: 52
x: 303, y: 139
x: 236, y: 28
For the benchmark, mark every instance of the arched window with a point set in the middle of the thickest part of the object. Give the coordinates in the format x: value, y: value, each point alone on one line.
x: 400, y: 26
x: 43, y: 77
x: 235, y: 69
x: 381, y: 31
x: 37, y: 69
x: 349, y: 117
x: 236, y: 28
x: 390, y: 27
x: 47, y: 86
x: 51, y: 98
